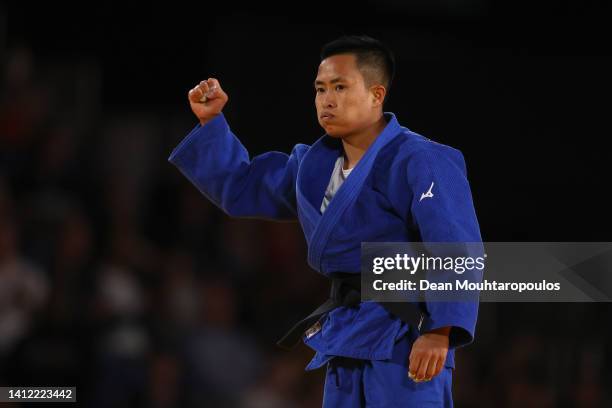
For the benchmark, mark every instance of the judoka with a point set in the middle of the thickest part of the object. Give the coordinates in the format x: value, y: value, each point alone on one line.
x: 367, y: 179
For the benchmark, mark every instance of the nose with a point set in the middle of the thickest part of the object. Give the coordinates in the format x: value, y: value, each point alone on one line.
x: 328, y: 101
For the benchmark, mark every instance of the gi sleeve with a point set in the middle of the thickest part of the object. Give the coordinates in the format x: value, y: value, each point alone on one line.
x: 215, y: 161
x: 443, y: 211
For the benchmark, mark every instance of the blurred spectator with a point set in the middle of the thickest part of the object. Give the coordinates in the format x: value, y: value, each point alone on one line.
x: 123, y: 341
x: 23, y: 286
x: 222, y: 360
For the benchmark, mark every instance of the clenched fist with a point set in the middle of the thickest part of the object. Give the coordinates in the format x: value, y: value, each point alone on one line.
x: 207, y: 100
x: 428, y: 354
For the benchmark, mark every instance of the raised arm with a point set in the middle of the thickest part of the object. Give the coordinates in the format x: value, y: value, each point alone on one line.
x: 215, y: 161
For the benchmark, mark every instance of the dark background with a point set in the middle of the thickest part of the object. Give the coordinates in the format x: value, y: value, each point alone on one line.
x: 115, y: 274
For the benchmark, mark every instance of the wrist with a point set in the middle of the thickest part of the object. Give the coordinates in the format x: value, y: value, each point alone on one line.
x: 207, y: 119
x: 445, y: 331
x: 204, y: 121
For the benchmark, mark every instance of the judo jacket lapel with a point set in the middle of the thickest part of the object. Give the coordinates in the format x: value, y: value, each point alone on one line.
x: 313, y: 178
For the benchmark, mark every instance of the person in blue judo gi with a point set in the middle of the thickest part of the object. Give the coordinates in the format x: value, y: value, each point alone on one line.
x: 367, y: 179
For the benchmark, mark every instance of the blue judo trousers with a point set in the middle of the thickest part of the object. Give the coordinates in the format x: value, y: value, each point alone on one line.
x: 405, y: 188
x: 372, y: 383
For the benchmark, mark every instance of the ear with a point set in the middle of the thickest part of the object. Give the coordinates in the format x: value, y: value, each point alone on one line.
x: 378, y: 92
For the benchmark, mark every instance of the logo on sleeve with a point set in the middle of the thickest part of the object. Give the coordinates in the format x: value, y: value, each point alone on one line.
x: 428, y: 194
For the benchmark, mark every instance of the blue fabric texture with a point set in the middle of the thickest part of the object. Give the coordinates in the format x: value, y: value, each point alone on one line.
x: 371, y: 383
x: 381, y: 201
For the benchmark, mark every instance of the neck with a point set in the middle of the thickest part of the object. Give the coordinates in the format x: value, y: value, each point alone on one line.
x: 356, y: 144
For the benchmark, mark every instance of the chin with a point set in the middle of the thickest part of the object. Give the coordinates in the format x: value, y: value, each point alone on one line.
x: 332, y: 131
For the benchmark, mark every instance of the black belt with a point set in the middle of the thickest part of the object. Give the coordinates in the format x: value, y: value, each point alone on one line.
x: 346, y: 291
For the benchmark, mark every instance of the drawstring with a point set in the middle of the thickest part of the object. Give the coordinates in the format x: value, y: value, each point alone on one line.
x: 337, y: 376
x: 334, y: 371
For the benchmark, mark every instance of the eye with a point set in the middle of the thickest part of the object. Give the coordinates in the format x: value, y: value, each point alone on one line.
x: 319, y: 90
x: 339, y: 87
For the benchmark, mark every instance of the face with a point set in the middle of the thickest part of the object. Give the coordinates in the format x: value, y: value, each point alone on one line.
x: 345, y: 104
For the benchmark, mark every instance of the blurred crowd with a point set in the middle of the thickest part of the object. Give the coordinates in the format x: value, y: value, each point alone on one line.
x: 119, y: 278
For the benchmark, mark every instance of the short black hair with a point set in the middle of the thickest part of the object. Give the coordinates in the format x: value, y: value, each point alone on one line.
x: 374, y: 59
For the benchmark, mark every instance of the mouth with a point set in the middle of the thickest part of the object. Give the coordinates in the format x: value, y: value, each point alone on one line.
x: 327, y: 116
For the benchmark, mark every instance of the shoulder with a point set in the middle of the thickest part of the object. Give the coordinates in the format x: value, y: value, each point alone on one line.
x: 413, y: 150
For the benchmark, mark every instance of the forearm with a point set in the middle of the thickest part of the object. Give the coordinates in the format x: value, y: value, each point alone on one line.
x: 217, y: 163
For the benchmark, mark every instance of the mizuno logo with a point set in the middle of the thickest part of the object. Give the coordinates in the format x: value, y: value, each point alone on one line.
x: 428, y: 194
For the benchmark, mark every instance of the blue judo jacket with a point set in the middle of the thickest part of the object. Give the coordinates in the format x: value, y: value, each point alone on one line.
x: 381, y: 201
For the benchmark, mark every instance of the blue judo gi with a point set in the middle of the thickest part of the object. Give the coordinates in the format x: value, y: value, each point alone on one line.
x: 365, y: 348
